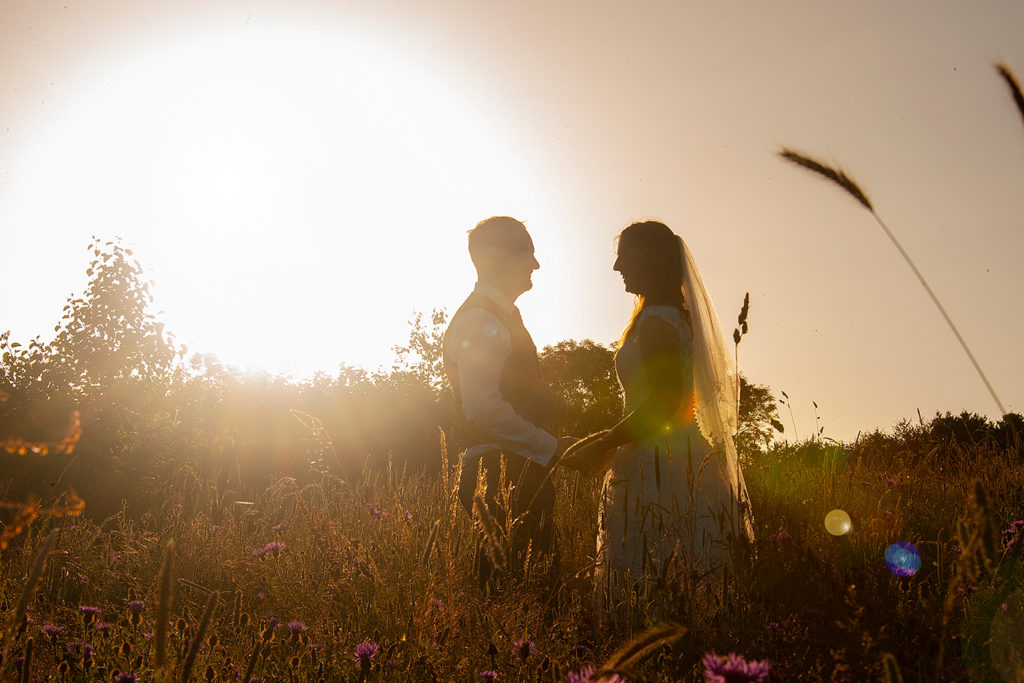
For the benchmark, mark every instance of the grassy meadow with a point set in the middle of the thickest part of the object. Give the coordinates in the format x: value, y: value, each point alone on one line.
x: 287, y: 582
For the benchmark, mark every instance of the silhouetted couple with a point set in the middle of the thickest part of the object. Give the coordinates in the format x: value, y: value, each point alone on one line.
x: 672, y: 486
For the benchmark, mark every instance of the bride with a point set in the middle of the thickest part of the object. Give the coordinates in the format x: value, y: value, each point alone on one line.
x: 671, y: 478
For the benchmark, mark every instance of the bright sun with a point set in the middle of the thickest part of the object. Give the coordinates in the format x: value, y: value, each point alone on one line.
x: 293, y: 193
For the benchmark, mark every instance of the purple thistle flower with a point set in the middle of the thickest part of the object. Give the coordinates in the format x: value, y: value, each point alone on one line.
x: 437, y: 605
x: 103, y: 626
x: 52, y: 630
x: 276, y: 548
x: 525, y: 649
x: 126, y: 678
x: 365, y: 653
x: 278, y: 527
x: 297, y: 627
x: 580, y: 650
x: 257, y: 679
x: 377, y: 511
x: 136, y: 606
x: 488, y: 675
x: 586, y: 675
x: 780, y: 536
x: 1009, y: 535
x: 272, y: 623
x: 260, y: 553
x: 733, y: 669
x: 89, y: 611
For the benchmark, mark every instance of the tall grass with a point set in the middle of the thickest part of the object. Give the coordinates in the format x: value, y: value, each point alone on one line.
x: 319, y: 569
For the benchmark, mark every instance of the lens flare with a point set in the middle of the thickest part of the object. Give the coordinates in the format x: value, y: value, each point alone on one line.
x: 902, y: 558
x: 838, y: 523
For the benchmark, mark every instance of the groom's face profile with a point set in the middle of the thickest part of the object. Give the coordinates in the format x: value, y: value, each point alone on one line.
x: 503, y: 253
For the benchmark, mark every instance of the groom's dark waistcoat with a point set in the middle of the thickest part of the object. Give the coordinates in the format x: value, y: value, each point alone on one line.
x: 520, y: 383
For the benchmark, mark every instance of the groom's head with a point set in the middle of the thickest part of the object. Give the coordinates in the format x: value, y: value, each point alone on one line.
x: 502, y: 251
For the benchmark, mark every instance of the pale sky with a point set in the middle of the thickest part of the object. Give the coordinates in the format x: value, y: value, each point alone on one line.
x: 297, y: 178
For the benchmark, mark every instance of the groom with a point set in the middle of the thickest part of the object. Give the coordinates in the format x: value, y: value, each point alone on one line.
x: 505, y: 407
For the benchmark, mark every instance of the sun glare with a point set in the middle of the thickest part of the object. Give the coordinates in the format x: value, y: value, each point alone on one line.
x: 294, y: 194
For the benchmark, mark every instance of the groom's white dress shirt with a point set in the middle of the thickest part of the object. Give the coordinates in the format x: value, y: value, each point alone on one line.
x: 480, y: 345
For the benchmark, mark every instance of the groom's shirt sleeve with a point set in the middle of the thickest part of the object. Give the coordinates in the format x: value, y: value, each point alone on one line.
x: 480, y: 346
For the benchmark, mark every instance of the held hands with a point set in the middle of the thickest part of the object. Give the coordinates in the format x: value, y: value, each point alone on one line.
x: 590, y: 456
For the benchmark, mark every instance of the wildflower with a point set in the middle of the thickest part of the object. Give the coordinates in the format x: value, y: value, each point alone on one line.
x: 296, y: 627
x: 807, y: 501
x: 525, y: 649
x: 580, y: 650
x: 89, y: 613
x: 260, y: 553
x: 275, y: 548
x: 889, y: 480
x: 278, y: 527
x: 733, y: 669
x: 365, y: 653
x: 377, y: 511
x: 52, y: 630
x: 408, y: 516
x: 488, y: 675
x: 126, y: 678
x: 1009, y: 535
x: 103, y: 627
x: 136, y: 606
x: 780, y: 536
x: 437, y: 605
x: 586, y: 675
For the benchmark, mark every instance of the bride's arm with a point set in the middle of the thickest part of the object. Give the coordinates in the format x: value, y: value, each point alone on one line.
x: 668, y: 374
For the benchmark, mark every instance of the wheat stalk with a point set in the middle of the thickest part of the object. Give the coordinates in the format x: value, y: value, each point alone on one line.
x: 1011, y: 82
x: 197, y: 641
x: 631, y: 653
x: 26, y: 596
x: 837, y: 176
x: 163, y: 609
x: 490, y: 528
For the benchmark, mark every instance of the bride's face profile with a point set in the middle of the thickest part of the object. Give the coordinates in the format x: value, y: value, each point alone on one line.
x: 631, y: 264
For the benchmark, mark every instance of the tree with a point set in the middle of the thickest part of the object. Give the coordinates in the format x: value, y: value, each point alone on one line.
x: 581, y: 375
x: 758, y: 418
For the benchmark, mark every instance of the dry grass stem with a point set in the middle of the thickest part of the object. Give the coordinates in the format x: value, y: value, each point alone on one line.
x: 1011, y: 82
x: 490, y: 528
x: 197, y: 640
x: 840, y: 178
x: 631, y: 654
x: 26, y: 596
x: 163, y: 608
x: 836, y: 175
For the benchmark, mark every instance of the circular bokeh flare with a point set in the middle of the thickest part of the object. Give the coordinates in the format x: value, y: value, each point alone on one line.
x: 902, y: 558
x: 838, y: 523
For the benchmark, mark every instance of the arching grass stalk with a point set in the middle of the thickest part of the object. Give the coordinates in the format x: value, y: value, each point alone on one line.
x: 1011, y: 82
x: 839, y: 178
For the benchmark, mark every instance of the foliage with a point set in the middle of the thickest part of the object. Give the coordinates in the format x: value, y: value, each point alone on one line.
x: 582, y: 380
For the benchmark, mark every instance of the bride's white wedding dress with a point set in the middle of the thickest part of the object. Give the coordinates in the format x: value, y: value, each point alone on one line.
x: 668, y: 493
